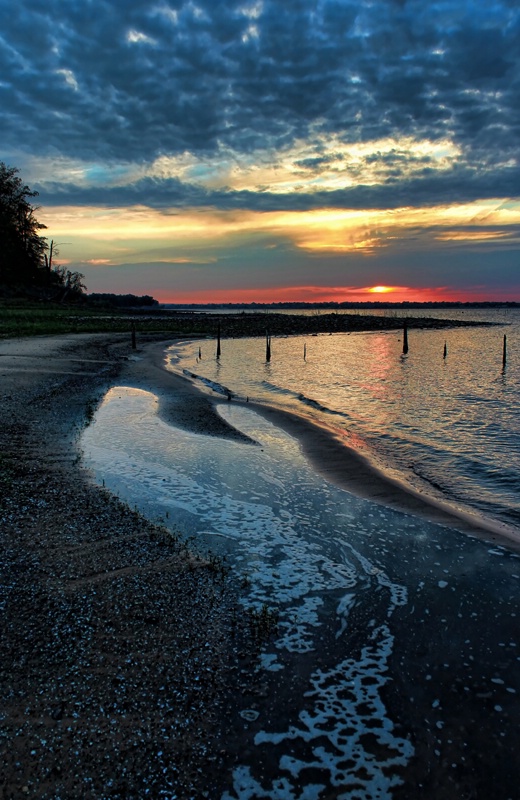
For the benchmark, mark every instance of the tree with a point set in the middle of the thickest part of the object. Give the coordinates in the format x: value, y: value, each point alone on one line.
x: 69, y: 285
x: 26, y: 259
x: 63, y: 283
x: 21, y: 246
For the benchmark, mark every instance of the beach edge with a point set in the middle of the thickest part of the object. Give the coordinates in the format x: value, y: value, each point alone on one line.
x: 326, y: 448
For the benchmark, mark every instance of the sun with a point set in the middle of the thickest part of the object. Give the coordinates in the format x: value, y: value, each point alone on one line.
x: 381, y: 289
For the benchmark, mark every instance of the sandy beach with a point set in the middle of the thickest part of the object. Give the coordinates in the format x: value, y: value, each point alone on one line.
x: 126, y: 658
x: 120, y: 648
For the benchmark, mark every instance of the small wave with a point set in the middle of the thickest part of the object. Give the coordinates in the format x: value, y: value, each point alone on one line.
x: 473, y: 398
x: 272, y: 387
x: 213, y: 385
x: 308, y: 401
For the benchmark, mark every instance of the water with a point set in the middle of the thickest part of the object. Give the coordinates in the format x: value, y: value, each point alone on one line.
x: 393, y: 672
x: 448, y: 426
x: 395, y: 663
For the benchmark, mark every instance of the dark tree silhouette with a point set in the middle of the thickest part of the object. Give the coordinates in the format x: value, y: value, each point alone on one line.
x: 26, y: 259
x: 121, y: 300
x: 21, y: 246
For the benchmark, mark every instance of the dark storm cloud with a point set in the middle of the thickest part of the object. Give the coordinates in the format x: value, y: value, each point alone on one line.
x: 130, y: 80
x: 458, y: 186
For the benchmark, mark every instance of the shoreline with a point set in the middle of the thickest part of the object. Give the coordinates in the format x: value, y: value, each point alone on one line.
x: 195, y: 408
x: 346, y: 467
x: 127, y: 664
x: 89, y: 642
x: 447, y: 682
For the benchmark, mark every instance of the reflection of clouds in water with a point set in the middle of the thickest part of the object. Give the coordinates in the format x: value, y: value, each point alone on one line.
x: 289, y: 539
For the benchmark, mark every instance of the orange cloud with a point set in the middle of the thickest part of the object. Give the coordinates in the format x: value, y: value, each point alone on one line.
x: 126, y: 235
x: 472, y: 236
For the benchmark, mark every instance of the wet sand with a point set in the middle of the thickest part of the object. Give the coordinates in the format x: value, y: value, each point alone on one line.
x: 121, y: 649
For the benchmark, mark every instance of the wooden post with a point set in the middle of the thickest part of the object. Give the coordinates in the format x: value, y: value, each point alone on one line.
x: 504, y: 351
x: 267, y: 346
x: 305, y: 352
x: 445, y: 350
x: 405, y: 338
x: 200, y: 353
x: 134, y: 344
x: 218, y: 341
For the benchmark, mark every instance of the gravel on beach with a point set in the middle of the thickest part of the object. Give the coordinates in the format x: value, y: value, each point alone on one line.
x: 125, y: 657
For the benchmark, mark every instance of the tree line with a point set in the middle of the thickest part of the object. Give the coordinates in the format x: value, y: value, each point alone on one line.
x: 109, y: 300
x: 27, y: 259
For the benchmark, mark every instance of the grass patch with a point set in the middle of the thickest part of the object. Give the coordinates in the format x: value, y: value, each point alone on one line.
x: 25, y: 319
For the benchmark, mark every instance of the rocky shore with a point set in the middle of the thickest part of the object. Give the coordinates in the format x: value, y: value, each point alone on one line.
x: 123, y: 654
x: 256, y: 324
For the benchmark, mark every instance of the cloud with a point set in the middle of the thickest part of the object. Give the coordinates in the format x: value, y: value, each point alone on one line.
x: 428, y: 189
x: 148, y: 110
x: 136, y: 80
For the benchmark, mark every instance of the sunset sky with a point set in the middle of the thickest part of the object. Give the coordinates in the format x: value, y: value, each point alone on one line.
x: 223, y: 150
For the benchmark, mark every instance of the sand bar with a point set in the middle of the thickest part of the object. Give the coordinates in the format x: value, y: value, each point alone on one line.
x: 193, y: 407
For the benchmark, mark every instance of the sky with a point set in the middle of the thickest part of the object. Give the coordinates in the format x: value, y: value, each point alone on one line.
x: 270, y: 150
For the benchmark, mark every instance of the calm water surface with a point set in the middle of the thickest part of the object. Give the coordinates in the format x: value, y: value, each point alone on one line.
x: 450, y: 426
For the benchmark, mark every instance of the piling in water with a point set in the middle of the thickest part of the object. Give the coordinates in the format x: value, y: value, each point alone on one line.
x: 267, y: 346
x: 134, y: 343
x: 445, y: 350
x: 405, y: 338
x: 218, y: 341
x: 504, y: 351
x: 200, y: 353
x: 305, y: 352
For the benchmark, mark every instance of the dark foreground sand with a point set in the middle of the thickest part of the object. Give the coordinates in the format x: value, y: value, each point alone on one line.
x: 125, y: 659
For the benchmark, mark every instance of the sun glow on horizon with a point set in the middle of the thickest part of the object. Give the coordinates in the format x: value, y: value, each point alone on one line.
x: 381, y: 289
x: 319, y: 294
x: 192, y: 255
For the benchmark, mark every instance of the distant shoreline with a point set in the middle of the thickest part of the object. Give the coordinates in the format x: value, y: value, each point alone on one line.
x: 204, y: 321
x: 369, y: 305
